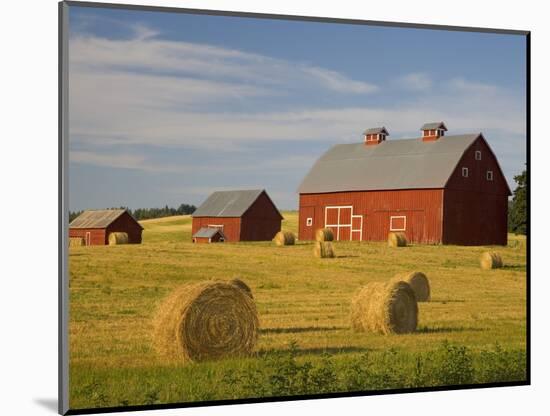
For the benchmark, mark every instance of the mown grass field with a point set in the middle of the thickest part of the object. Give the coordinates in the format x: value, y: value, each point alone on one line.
x: 302, y: 301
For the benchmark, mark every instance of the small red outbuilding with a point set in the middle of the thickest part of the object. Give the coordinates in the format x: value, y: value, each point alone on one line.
x: 209, y: 235
x: 94, y: 226
x: 248, y: 215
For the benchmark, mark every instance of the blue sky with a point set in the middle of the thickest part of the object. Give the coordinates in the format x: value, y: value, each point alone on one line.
x: 167, y: 108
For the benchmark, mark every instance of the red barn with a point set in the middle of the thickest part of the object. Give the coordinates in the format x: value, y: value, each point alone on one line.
x: 96, y: 225
x: 438, y: 189
x: 247, y: 215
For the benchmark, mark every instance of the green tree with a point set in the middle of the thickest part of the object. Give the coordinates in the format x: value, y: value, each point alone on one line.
x: 517, y: 219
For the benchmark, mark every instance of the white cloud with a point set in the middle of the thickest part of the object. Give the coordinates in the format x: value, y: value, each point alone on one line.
x: 417, y: 81
x: 337, y: 82
x: 144, y: 90
x: 144, y: 51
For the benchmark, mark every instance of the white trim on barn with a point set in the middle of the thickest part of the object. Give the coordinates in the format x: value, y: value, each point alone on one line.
x: 392, y: 217
x: 357, y: 230
x: 338, y: 225
x: 218, y: 226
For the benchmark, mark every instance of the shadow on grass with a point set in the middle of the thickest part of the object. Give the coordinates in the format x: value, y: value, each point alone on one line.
x: 427, y: 330
x: 521, y: 267
x: 299, y: 330
x: 313, y: 351
x: 346, y: 257
x: 447, y: 301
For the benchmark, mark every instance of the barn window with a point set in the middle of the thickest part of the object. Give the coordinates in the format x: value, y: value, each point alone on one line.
x: 478, y: 154
x: 465, y: 172
x: 398, y: 223
x: 309, y: 222
x: 489, y: 175
x: 218, y: 226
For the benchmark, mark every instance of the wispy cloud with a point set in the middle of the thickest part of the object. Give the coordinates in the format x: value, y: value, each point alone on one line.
x: 417, y: 81
x: 146, y: 52
x: 143, y: 91
x: 337, y: 82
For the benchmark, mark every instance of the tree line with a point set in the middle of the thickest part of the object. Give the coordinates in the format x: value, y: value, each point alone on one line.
x: 148, y: 213
x: 517, y: 207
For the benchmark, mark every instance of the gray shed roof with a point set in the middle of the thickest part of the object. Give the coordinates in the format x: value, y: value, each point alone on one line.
x: 208, y: 232
x: 99, y: 218
x: 432, y: 126
x: 376, y: 130
x: 228, y: 203
x: 393, y: 164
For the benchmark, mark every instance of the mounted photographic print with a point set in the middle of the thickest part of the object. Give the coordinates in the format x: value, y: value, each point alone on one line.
x: 261, y: 208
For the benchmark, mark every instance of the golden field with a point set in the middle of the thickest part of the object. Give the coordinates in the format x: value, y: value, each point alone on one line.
x: 114, y: 291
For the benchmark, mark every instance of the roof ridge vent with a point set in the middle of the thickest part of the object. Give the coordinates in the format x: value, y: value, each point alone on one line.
x: 433, y: 131
x: 375, y: 135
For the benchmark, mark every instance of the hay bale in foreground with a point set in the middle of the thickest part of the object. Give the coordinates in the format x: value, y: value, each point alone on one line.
x: 397, y: 239
x: 324, y: 234
x: 419, y: 283
x: 118, y: 238
x: 76, y: 242
x: 284, y: 238
x: 386, y: 308
x: 242, y: 285
x: 206, y: 321
x: 323, y: 250
x: 490, y: 260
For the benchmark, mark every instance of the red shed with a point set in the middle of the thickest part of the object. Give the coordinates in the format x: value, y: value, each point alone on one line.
x: 248, y: 215
x: 209, y: 235
x: 438, y: 189
x: 96, y: 225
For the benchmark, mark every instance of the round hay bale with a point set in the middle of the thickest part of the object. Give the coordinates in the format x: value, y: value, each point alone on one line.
x: 490, y: 260
x: 323, y: 250
x: 242, y: 285
x: 206, y: 321
x: 284, y: 238
x: 76, y: 242
x: 419, y: 283
x: 385, y: 308
x: 324, y: 234
x: 397, y: 239
x: 118, y: 238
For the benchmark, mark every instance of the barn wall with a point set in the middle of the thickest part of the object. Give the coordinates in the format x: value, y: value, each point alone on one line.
x: 97, y: 235
x: 475, y: 218
x: 423, y: 210
x: 477, y: 169
x: 231, y: 226
x: 475, y: 210
x: 125, y: 224
x: 201, y: 240
x: 261, y: 221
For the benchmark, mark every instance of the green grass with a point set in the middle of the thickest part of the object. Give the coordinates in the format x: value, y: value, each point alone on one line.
x: 114, y: 292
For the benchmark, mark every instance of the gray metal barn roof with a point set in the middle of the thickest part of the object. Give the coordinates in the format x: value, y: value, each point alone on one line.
x: 208, y: 232
x: 376, y: 130
x: 433, y: 126
x: 100, y: 218
x: 227, y: 203
x: 390, y: 165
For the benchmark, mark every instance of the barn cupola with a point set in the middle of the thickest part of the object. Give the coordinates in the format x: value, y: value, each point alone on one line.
x: 433, y: 131
x: 375, y: 135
